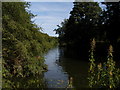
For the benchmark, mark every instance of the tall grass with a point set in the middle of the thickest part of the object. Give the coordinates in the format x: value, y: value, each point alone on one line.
x: 103, y: 75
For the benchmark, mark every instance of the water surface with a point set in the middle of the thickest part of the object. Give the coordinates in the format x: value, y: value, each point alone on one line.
x: 61, y: 68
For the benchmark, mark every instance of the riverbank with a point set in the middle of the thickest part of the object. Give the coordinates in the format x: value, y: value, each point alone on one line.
x: 23, y: 43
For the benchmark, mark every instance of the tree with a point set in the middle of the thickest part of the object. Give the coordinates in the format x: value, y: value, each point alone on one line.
x: 82, y: 23
x: 61, y: 31
x: 112, y: 21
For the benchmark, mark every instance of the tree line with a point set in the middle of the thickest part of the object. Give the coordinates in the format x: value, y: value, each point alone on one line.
x: 90, y: 20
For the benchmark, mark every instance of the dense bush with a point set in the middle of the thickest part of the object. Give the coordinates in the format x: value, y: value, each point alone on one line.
x: 23, y: 43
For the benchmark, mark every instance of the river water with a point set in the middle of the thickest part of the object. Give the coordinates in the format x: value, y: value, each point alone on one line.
x: 62, y: 65
x: 61, y: 68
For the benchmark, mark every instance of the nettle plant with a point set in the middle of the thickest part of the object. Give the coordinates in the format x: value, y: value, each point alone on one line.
x: 103, y: 75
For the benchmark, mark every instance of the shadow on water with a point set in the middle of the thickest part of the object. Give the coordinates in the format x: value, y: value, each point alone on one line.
x: 76, y: 67
x: 61, y: 67
x: 64, y: 63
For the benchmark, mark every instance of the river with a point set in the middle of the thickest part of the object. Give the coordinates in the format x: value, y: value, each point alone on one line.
x: 61, y: 68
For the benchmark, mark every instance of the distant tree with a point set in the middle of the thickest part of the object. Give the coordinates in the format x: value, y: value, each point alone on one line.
x: 61, y: 30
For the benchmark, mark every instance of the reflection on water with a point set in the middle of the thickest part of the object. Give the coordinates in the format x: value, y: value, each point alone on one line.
x: 55, y: 76
x: 61, y: 68
x: 65, y: 71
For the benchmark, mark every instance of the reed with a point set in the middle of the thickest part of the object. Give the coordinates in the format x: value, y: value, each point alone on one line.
x: 103, y: 75
x: 91, y: 71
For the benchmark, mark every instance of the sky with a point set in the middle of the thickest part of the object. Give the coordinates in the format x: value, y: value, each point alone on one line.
x: 50, y: 14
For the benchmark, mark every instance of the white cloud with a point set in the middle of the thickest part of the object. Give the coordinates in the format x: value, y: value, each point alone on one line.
x: 48, y: 7
x: 49, y: 15
x: 45, y: 21
x: 47, y: 18
x: 43, y: 9
x: 48, y: 23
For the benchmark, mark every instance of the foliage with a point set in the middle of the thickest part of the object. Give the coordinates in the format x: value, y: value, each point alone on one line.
x: 23, y: 43
x: 104, y: 75
x: 92, y: 64
x: 111, y: 19
x: 91, y: 20
x: 70, y: 84
x: 27, y: 83
x: 81, y: 25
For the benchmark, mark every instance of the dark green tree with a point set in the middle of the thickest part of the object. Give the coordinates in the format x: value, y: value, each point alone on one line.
x: 82, y: 25
x: 61, y: 31
x: 111, y: 19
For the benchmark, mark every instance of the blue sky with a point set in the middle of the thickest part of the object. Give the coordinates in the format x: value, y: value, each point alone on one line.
x: 50, y: 14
